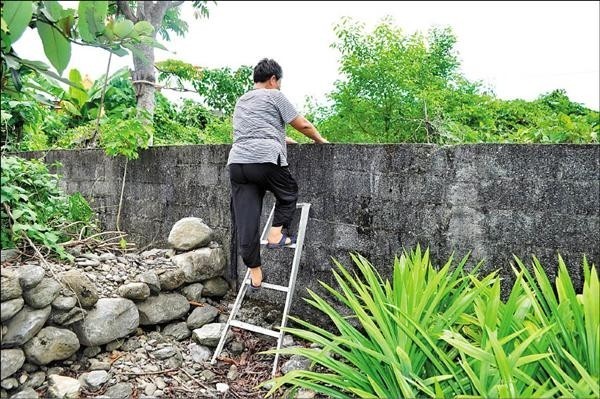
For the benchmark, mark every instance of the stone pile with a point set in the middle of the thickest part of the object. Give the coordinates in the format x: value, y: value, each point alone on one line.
x: 70, y: 321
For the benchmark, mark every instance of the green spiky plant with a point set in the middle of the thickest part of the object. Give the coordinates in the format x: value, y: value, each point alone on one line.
x: 446, y: 333
x: 574, y: 322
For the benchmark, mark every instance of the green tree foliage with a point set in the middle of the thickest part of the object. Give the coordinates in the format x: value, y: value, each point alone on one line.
x: 219, y: 88
x: 58, y: 28
x: 409, y: 88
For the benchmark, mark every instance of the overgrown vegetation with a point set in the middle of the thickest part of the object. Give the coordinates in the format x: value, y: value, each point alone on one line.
x: 36, y: 212
x: 443, y: 332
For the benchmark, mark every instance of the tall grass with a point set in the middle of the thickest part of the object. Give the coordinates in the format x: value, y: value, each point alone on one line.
x: 443, y: 332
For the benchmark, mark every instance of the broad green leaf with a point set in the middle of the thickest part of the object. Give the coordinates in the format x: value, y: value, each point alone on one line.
x: 144, y: 28
x: 17, y: 213
x: 17, y: 227
x: 53, y: 10
x: 123, y: 28
x: 151, y: 42
x: 77, y: 93
x: 120, y: 51
x: 51, y: 237
x: 66, y: 22
x: 37, y: 65
x: 56, y: 47
x: 17, y: 15
x: 92, y: 15
x: 70, y: 107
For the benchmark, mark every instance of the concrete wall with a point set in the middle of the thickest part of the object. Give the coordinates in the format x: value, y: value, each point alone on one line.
x: 493, y: 200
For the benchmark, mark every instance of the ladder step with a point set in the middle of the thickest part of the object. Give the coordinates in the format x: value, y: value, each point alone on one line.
x: 265, y: 242
x: 271, y: 286
x: 252, y: 327
x: 275, y: 287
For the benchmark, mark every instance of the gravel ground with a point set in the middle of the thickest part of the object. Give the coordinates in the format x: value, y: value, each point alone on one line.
x: 150, y: 364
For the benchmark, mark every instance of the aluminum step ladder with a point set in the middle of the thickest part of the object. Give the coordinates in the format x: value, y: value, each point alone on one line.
x: 232, y: 322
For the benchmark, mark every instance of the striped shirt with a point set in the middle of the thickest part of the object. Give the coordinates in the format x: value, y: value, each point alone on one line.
x: 259, y: 121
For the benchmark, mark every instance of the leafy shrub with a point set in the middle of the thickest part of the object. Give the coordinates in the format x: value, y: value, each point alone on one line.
x: 219, y: 130
x: 437, y: 333
x: 172, y: 126
x: 33, y: 206
x: 125, y: 135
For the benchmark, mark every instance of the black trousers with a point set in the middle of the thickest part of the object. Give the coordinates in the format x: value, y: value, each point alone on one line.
x: 249, y: 182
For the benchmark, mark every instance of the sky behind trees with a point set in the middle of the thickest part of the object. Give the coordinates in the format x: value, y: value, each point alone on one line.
x: 518, y: 49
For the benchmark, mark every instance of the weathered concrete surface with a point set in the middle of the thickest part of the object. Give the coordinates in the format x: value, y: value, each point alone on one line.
x: 493, y: 200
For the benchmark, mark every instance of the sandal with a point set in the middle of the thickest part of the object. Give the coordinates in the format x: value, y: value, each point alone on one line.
x: 282, y: 243
x: 255, y: 288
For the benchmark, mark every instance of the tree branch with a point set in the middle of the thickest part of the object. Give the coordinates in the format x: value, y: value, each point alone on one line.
x: 123, y: 6
x: 175, y: 4
x: 157, y: 12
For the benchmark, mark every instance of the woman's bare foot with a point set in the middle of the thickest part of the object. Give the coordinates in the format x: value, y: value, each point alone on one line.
x: 288, y: 240
x: 256, y: 276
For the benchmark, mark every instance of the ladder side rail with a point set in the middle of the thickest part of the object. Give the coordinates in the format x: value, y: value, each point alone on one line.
x: 293, y: 274
x: 265, y: 233
x: 236, y: 307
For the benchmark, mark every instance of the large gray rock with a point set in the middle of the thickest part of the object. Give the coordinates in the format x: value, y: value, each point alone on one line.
x: 64, y: 302
x: 189, y: 233
x: 60, y: 387
x: 24, y: 326
x: 216, y: 287
x: 122, y: 390
x: 51, y: 344
x: 201, y: 264
x: 134, y: 291
x: 171, y: 279
x: 30, y: 275
x: 165, y: 353
x: 112, y: 318
x: 10, y: 308
x: 11, y: 288
x: 94, y: 379
x: 179, y: 331
x: 162, y: 308
x: 210, y: 334
x: 12, y: 360
x: 9, y: 384
x: 26, y: 393
x: 82, y: 286
x: 201, y: 316
x: 151, y: 280
x: 42, y: 294
x: 8, y: 254
x: 193, y: 292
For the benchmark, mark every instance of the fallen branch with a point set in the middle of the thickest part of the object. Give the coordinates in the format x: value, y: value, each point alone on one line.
x: 152, y: 372
x: 197, y: 381
x: 120, y: 355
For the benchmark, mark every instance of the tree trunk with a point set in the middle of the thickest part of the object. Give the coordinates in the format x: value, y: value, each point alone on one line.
x: 144, y: 74
x: 143, y: 62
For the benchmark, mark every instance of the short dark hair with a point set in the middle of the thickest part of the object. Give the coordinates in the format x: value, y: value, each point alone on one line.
x: 265, y: 69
